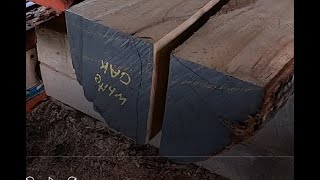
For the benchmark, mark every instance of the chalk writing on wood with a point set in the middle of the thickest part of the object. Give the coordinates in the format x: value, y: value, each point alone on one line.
x: 124, y: 100
x: 112, y: 90
x: 97, y: 78
x: 114, y: 73
x: 104, y: 67
x: 102, y: 87
x: 123, y: 76
x: 128, y: 80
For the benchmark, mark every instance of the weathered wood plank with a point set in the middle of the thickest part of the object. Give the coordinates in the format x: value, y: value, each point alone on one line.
x: 53, y: 50
x: 133, y: 38
x: 66, y: 90
x: 228, y: 78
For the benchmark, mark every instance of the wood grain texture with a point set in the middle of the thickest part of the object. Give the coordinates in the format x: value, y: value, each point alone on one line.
x: 252, y: 43
x: 202, y: 106
x: 161, y: 60
x: 66, y: 90
x: 150, y: 19
x: 226, y: 80
x: 157, y: 23
x: 114, y: 70
x: 53, y: 50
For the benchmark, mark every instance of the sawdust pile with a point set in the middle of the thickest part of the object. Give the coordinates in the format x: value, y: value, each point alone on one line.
x: 62, y: 142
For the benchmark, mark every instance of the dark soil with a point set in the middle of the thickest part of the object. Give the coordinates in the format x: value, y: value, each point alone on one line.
x: 62, y: 142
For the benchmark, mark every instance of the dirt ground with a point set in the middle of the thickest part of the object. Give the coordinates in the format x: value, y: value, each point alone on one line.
x: 62, y: 142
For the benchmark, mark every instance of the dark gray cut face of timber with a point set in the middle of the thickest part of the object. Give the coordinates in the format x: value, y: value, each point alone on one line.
x: 115, y: 71
x: 199, y: 102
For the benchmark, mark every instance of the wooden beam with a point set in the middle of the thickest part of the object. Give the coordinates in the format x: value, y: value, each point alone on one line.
x: 133, y: 36
x: 228, y: 78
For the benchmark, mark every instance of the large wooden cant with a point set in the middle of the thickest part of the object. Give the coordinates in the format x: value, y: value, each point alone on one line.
x: 228, y: 77
x: 136, y: 38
